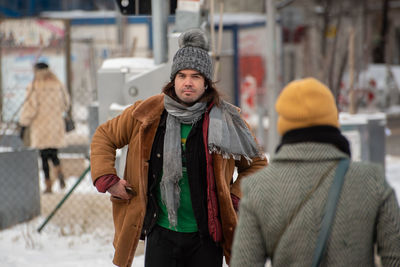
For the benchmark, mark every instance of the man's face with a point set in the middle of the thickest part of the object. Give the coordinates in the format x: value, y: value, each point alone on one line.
x: 189, y: 86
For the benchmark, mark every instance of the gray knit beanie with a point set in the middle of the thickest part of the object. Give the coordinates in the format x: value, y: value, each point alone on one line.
x: 192, y: 54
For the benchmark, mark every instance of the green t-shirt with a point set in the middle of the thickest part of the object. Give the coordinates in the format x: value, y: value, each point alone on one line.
x: 186, y: 220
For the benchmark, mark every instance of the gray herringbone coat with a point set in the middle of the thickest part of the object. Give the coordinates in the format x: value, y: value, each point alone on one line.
x: 367, y: 212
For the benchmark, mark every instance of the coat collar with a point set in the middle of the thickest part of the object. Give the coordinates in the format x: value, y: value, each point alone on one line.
x: 150, y: 109
x: 309, y: 151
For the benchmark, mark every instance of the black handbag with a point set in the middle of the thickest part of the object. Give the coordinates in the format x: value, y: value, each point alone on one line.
x: 25, y: 135
x: 69, y: 123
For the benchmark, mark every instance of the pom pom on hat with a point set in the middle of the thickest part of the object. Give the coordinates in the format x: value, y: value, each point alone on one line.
x: 305, y: 103
x: 194, y: 38
x: 192, y: 54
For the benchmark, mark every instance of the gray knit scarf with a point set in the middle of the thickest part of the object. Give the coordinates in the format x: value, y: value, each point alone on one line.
x: 227, y: 135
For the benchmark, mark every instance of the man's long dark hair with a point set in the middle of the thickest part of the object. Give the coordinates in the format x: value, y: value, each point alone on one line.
x: 211, y: 94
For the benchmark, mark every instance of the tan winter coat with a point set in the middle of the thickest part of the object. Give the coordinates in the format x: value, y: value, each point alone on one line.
x: 42, y: 111
x: 136, y: 127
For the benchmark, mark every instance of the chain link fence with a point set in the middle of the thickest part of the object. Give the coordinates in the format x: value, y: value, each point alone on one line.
x: 22, y: 183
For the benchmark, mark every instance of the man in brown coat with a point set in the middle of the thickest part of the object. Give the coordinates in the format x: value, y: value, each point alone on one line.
x: 178, y: 190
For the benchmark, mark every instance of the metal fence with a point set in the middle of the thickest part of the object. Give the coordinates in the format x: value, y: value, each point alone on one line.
x: 22, y: 182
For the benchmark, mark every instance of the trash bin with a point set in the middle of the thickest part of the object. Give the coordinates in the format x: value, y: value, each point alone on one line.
x: 366, y: 133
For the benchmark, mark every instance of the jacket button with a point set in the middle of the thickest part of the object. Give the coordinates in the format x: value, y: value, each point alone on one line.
x: 155, y: 215
x: 158, y: 155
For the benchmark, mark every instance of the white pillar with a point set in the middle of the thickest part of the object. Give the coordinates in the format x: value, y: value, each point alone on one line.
x: 159, y: 14
x: 272, y: 90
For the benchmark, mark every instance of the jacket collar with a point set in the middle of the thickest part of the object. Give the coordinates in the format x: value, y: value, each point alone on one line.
x: 150, y: 109
x: 309, y: 151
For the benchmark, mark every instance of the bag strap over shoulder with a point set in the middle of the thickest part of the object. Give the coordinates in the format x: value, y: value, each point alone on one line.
x: 329, y: 212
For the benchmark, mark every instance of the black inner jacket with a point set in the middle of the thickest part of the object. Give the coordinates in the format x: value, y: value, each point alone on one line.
x: 196, y: 170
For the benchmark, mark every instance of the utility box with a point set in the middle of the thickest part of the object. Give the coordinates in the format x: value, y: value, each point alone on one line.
x: 366, y: 133
x: 112, y: 78
x: 19, y: 186
x: 123, y: 81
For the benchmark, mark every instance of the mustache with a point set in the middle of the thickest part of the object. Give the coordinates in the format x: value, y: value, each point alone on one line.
x: 188, y: 88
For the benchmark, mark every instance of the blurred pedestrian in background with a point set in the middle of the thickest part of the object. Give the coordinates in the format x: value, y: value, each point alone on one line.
x: 43, y: 112
x: 282, y: 206
x: 183, y: 146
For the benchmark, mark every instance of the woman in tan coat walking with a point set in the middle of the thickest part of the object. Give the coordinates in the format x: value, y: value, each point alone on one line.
x: 45, y: 103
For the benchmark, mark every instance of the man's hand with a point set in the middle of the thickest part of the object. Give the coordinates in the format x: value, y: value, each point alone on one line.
x: 122, y: 190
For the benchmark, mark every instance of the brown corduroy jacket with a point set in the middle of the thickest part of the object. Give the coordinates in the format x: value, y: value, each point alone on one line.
x: 136, y: 127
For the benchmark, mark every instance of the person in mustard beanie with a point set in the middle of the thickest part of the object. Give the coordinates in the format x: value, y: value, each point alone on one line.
x: 282, y: 207
x: 305, y: 103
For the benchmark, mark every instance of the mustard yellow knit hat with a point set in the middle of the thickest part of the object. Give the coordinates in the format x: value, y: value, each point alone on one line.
x: 304, y: 103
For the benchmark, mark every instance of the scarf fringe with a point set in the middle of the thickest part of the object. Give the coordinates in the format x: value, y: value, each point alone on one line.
x: 226, y: 155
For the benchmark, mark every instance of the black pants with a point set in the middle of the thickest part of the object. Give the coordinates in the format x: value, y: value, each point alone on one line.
x: 173, y: 249
x: 46, y: 154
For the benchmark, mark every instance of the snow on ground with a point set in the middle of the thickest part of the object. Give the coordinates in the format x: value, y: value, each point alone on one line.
x: 23, y: 246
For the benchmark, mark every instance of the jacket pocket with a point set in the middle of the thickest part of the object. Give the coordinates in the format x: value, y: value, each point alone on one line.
x: 119, y: 207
